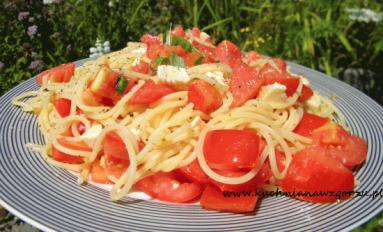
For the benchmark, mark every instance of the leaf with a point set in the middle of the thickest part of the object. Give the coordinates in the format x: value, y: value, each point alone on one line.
x: 177, y: 61
x: 121, y: 85
x: 183, y: 43
x: 161, y: 60
x: 345, y: 42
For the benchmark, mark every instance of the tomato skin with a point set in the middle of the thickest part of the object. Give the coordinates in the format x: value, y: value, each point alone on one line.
x: 351, y: 150
x: 313, y: 170
x: 62, y: 106
x: 306, y: 93
x: 309, y: 123
x: 114, y: 147
x: 204, y: 96
x: 115, y: 167
x: 107, y: 89
x: 207, y: 51
x: 253, y: 56
x: 178, y: 31
x: 194, y: 173
x: 150, y: 92
x: 166, y: 187
x: 262, y: 176
x: 228, y: 53
x: 212, y: 198
x: 142, y: 67
x: 65, y: 158
x: 231, y: 149
x: 62, y: 73
x: 190, y: 58
x: 98, y: 173
x: 244, y: 84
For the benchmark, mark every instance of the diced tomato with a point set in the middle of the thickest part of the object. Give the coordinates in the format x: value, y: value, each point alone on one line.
x: 231, y: 149
x: 306, y: 93
x: 178, y: 31
x: 190, y: 58
x: 196, y: 32
x: 228, y: 53
x: 166, y: 187
x: 351, y: 150
x: 62, y: 73
x: 81, y: 128
x: 244, y: 84
x: 212, y: 198
x: 312, y: 170
x: 150, y: 92
x: 62, y: 106
x: 63, y: 157
x: 309, y: 123
x: 114, y: 168
x: 253, y: 56
x: 114, y: 147
x: 107, y: 89
x: 204, y: 96
x: 91, y: 99
x: 281, y: 64
x: 194, y: 173
x: 142, y: 67
x: 291, y: 83
x: 98, y: 173
x: 150, y: 39
x: 262, y: 176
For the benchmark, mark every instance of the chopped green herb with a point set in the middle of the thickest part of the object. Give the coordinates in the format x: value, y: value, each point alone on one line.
x: 177, y: 61
x: 161, y: 60
x: 183, y: 43
x: 121, y: 85
x: 199, y: 60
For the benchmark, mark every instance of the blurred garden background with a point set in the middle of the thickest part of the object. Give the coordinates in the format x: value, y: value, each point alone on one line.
x: 343, y: 39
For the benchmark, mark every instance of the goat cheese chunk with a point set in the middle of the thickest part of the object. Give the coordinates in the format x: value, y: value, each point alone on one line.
x: 273, y: 93
x: 172, y: 74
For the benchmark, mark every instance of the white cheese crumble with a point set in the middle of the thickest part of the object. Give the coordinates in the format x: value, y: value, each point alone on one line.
x: 93, y: 132
x: 217, y: 76
x: 172, y: 74
x: 273, y: 93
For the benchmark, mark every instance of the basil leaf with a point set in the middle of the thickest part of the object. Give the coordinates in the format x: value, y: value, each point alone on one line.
x: 199, y: 60
x: 183, y: 43
x: 161, y: 60
x: 177, y: 61
x: 121, y: 85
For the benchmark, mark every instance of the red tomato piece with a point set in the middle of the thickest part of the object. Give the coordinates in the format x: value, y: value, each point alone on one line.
x: 107, y: 90
x: 166, y: 187
x: 204, y: 96
x: 62, y: 106
x: 263, y: 175
x: 114, y: 168
x: 178, y: 31
x: 194, y: 173
x: 351, y: 150
x: 190, y: 58
x: 150, y: 39
x: 228, y: 53
x: 212, y: 198
x: 291, y: 83
x: 253, y: 56
x: 65, y: 158
x: 244, y: 84
x: 231, y: 149
x: 306, y: 93
x: 98, y: 173
x: 312, y: 170
x: 309, y: 123
x: 142, y: 67
x: 150, y: 92
x: 281, y: 64
x: 91, y: 99
x: 114, y: 147
x: 62, y: 73
x: 206, y: 50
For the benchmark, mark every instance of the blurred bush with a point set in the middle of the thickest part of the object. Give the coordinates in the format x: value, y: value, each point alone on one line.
x: 341, y: 38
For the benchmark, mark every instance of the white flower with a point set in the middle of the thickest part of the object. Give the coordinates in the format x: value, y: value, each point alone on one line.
x: 100, y: 48
x: 364, y: 15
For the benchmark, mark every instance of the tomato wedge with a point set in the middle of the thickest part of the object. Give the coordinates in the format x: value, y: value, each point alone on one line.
x: 142, y: 67
x: 212, y: 198
x: 106, y: 89
x: 228, y: 53
x: 98, y: 173
x: 309, y: 123
x: 306, y: 93
x: 194, y: 173
x: 204, y: 96
x: 65, y: 158
x: 114, y: 167
x: 166, y: 187
x: 62, y: 73
x: 62, y: 106
x: 313, y: 170
x: 231, y: 149
x: 244, y: 84
x: 351, y: 150
x: 150, y: 92
x: 178, y: 31
x: 114, y: 147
